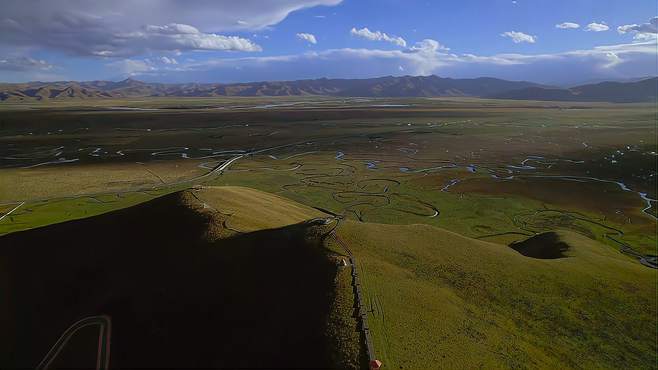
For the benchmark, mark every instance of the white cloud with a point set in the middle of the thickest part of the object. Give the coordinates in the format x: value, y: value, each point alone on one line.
x: 307, y: 37
x: 174, y: 36
x: 627, y: 28
x: 567, y: 25
x: 640, y: 37
x: 650, y: 27
x: 642, y: 32
x: 378, y: 36
x: 187, y: 37
x: 172, y: 29
x: 612, y: 60
x: 597, y: 27
x: 20, y: 64
x: 428, y: 45
x: 120, y: 27
x: 519, y: 37
x: 167, y: 60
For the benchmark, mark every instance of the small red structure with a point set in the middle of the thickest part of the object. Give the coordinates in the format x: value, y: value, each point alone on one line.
x: 375, y: 365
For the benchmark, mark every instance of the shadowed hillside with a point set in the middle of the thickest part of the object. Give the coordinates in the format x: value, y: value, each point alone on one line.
x: 178, y: 295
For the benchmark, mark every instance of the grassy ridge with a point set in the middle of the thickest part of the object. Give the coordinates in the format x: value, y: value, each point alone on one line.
x: 250, y: 210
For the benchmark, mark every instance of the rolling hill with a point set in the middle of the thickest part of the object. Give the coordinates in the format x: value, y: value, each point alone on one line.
x: 231, y: 276
x: 406, y: 86
x: 442, y: 300
x: 619, y: 92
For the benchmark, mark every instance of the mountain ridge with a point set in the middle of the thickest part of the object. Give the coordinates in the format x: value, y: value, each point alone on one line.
x: 388, y: 86
x: 645, y: 90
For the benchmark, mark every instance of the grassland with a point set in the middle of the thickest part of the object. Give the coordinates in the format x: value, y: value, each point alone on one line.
x: 249, y: 210
x: 431, y: 193
x: 439, y: 300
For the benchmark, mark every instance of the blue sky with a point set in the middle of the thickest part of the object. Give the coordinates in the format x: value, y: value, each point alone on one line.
x: 555, y: 42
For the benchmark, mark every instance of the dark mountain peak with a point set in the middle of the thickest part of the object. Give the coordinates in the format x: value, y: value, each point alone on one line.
x: 130, y: 82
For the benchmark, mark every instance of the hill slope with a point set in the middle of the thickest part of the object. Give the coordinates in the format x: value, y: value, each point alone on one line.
x: 181, y: 290
x: 620, y: 92
x: 246, y: 210
x: 442, y: 300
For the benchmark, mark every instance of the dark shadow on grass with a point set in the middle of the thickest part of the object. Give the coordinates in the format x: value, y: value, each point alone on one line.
x: 176, y: 299
x: 547, y: 245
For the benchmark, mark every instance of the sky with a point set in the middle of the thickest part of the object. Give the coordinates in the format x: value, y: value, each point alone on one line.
x: 558, y: 42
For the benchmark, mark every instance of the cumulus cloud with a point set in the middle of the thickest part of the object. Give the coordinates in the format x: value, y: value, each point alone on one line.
x: 428, y: 46
x: 597, y: 27
x: 176, y: 36
x: 642, y: 32
x: 307, y: 37
x: 567, y: 25
x: 649, y: 27
x: 121, y: 27
x: 519, y: 37
x: 21, y: 64
x: 378, y: 36
x: 169, y: 37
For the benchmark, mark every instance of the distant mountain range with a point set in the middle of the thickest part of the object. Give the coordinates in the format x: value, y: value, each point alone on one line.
x: 619, y: 92
x: 405, y: 86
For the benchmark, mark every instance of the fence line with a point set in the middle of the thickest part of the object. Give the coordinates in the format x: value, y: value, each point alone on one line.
x: 356, y: 287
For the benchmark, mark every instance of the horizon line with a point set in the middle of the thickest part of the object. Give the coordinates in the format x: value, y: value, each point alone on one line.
x: 594, y: 81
